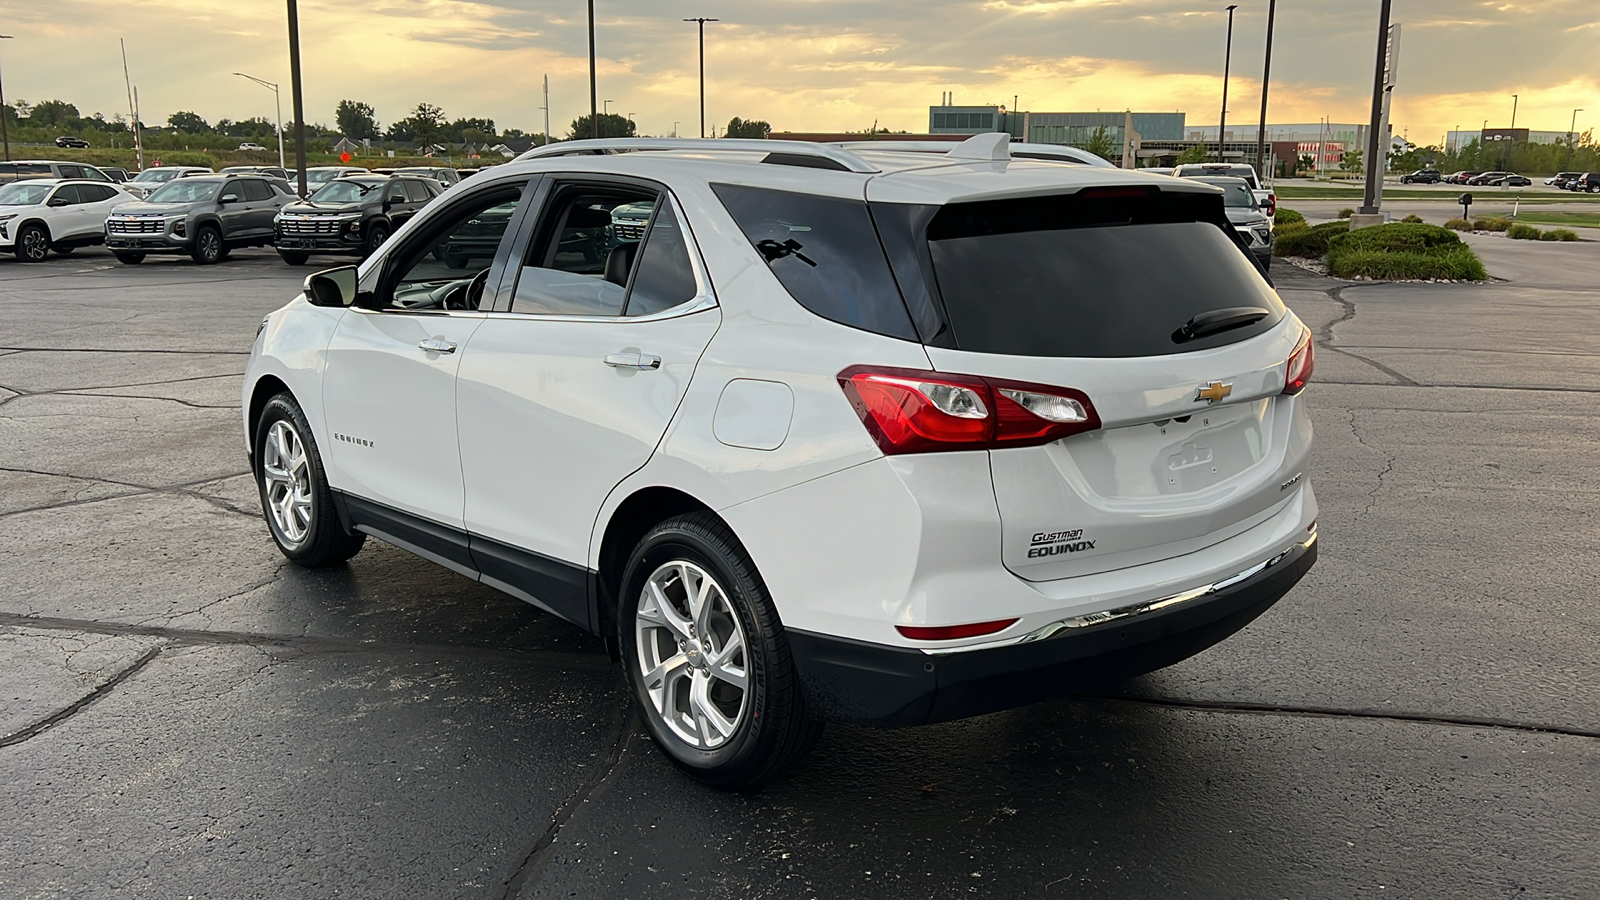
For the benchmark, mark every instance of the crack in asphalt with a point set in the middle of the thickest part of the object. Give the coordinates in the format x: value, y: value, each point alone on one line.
x: 182, y: 489
x: 1332, y: 712
x: 61, y: 715
x: 306, y: 645
x: 541, y: 849
x: 1388, y: 463
x: 1336, y: 294
x: 89, y: 392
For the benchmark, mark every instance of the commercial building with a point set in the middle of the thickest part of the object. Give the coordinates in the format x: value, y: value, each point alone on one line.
x: 1073, y: 128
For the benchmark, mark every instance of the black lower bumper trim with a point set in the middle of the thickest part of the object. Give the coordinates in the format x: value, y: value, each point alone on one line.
x: 876, y: 684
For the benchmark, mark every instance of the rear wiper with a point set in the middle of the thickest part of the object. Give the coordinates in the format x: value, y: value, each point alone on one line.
x: 775, y: 251
x: 1219, y: 320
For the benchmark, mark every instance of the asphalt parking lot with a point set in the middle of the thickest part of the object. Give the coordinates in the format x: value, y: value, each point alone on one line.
x: 183, y: 714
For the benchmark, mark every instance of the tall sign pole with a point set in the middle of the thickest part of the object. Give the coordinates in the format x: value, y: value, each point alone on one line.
x: 1227, y: 59
x: 702, y: 20
x: 5, y: 135
x: 1370, y: 198
x: 594, y: 94
x: 1266, y: 76
x: 299, y: 100
x: 133, y: 106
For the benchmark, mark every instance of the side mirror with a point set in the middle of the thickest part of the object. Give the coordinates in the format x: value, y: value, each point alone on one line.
x: 228, y: 198
x: 333, y: 287
x: 58, y: 201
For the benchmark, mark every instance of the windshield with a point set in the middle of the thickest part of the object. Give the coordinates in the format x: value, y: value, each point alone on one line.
x: 1235, y: 194
x: 345, y: 191
x: 158, y: 176
x: 24, y: 193
x: 185, y: 190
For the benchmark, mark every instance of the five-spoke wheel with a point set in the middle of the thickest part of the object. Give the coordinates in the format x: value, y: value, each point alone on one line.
x: 691, y: 654
x: 294, y: 488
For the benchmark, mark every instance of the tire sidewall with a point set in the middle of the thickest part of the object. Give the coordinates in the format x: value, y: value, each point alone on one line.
x: 25, y: 247
x: 666, y: 544
x: 283, y: 408
x: 377, y: 233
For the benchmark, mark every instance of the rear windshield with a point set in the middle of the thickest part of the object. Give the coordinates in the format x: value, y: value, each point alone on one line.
x: 1060, y: 276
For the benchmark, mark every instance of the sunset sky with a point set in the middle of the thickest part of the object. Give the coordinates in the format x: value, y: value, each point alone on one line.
x: 814, y: 64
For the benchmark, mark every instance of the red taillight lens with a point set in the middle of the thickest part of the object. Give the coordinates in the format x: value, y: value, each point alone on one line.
x: 911, y: 411
x: 1272, y: 205
x: 953, y: 632
x: 1301, y: 362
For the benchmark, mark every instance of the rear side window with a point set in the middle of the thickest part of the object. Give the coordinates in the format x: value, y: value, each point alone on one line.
x: 417, y: 192
x: 1079, y: 277
x: 256, y: 190
x: 825, y: 252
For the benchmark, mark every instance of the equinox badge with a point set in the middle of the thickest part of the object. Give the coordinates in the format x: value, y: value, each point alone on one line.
x: 1213, y: 392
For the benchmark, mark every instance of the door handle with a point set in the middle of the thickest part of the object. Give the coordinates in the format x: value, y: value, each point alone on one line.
x: 633, y: 361
x: 437, y: 345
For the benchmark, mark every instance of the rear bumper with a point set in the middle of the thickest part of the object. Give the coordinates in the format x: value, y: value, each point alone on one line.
x: 891, y: 686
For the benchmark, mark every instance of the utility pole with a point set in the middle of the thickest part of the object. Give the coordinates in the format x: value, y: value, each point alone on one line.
x: 701, y: 20
x: 594, y: 96
x: 133, y: 105
x: 1513, y: 110
x: 299, y: 103
x: 5, y: 134
x: 1372, y: 194
x: 546, y: 109
x: 1227, y: 58
x: 1266, y: 75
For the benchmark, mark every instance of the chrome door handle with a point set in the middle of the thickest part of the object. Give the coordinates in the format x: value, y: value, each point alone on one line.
x: 437, y: 345
x: 633, y: 361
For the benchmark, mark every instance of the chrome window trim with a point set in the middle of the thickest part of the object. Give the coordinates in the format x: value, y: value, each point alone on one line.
x: 1131, y: 610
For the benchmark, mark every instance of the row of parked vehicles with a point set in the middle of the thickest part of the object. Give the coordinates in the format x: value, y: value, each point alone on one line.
x: 1433, y: 176
x: 58, y: 207
x: 1581, y: 182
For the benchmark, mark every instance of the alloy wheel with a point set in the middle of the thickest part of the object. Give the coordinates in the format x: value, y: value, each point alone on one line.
x: 34, y: 245
x: 692, y: 654
x: 210, y: 245
x: 286, y: 480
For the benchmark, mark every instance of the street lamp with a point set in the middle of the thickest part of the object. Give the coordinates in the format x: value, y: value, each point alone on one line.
x: 1227, y: 58
x: 702, y: 22
x: 1513, y: 110
x: 606, y: 109
x: 1571, y: 129
x: 276, y: 98
x: 5, y: 135
x: 1266, y: 73
x: 594, y: 120
x: 630, y: 118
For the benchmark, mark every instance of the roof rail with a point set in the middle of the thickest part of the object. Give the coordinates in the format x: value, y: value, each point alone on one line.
x: 1016, y: 149
x: 843, y: 159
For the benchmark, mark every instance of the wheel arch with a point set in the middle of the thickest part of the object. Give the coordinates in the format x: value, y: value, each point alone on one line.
x: 266, y: 387
x: 633, y: 517
x: 35, y: 221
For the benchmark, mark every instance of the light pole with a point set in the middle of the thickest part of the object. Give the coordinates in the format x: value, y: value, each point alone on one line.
x: 1227, y: 58
x: 674, y: 127
x: 630, y: 119
x: 606, y: 108
x: 5, y: 135
x: 278, y: 99
x: 594, y: 118
x: 1513, y: 110
x: 297, y: 95
x: 1266, y: 74
x: 702, y: 22
x: 1371, y: 195
x: 1571, y: 129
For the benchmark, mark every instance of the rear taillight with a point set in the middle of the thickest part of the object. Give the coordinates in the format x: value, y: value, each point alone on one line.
x: 1272, y: 205
x: 1301, y: 362
x: 910, y: 411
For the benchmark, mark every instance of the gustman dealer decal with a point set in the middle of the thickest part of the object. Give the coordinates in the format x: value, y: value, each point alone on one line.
x: 1052, y: 543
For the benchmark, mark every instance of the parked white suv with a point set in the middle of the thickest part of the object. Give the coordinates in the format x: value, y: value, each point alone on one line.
x: 1266, y: 197
x: 866, y: 436
x: 41, y: 215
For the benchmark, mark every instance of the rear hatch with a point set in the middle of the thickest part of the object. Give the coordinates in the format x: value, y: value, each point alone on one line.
x: 1141, y: 300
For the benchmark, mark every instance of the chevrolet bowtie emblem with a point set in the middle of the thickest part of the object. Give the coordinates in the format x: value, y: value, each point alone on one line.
x: 1213, y: 392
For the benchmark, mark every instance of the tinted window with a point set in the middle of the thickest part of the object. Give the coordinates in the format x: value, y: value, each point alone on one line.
x: 1088, y: 281
x: 67, y: 192
x: 256, y: 190
x: 184, y: 190
x: 439, y: 267
x: 94, y: 174
x: 663, y: 277
x: 95, y: 193
x: 418, y: 192
x: 71, y: 171
x: 825, y: 252
x: 396, y: 193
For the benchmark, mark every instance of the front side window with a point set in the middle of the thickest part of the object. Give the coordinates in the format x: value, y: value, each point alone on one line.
x: 447, y: 267
x: 67, y: 193
x: 256, y: 190
x: 395, y: 194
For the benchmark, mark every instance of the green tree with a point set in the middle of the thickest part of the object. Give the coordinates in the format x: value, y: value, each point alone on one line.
x: 1101, y: 145
x: 1196, y: 154
x: 425, y: 125
x: 1351, y: 161
x: 611, y: 126
x: 187, y: 122
x: 356, y: 120
x: 1307, y: 162
x: 747, y: 128
x: 48, y: 113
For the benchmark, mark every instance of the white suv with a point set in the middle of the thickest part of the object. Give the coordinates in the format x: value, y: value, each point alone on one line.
x: 866, y: 436
x: 41, y: 215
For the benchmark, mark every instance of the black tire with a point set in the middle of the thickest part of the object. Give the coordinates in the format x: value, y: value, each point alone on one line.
x: 62, y: 249
x: 293, y: 258
x: 208, y: 247
x: 324, y: 541
x: 775, y: 728
x: 33, y: 243
x: 128, y: 259
x: 377, y: 233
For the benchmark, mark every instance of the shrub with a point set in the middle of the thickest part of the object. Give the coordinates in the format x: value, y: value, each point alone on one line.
x: 1456, y: 262
x: 1492, y: 223
x: 1346, y: 213
x: 1394, y: 237
x: 1287, y: 217
x: 1289, y: 228
x: 1458, y: 225
x: 1311, y: 243
x: 1413, y: 219
x: 1520, y: 232
x: 1559, y: 234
